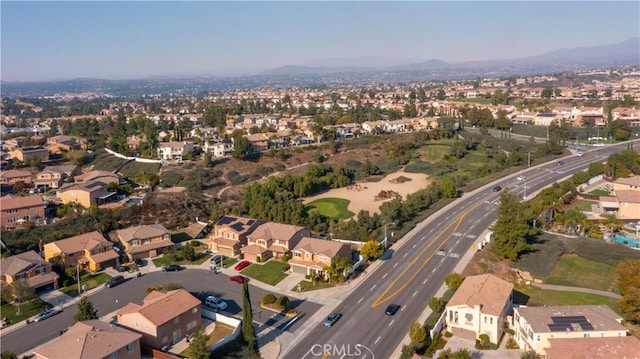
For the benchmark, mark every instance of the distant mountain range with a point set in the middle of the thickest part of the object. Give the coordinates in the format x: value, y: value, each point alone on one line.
x: 623, y: 53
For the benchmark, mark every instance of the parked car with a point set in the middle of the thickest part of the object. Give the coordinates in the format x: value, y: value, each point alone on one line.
x: 391, y: 309
x: 217, y: 259
x: 122, y: 268
x: 215, y: 303
x: 242, y: 265
x: 497, y: 189
x: 140, y: 262
x: 521, y: 178
x: 332, y: 319
x: 46, y: 314
x: 114, y: 281
x: 172, y: 268
x: 238, y: 279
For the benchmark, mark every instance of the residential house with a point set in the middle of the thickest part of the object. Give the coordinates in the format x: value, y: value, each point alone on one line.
x: 91, y: 339
x: 23, y: 154
x: 30, y: 267
x: 218, y: 147
x: 371, y: 127
x: 259, y: 141
x: 271, y: 239
x: 174, y: 151
x: 627, y: 183
x: 163, y: 318
x: 61, y: 144
x: 10, y: 177
x: 89, y: 250
x: 145, y: 241
x: 229, y: 234
x: 593, y: 348
x: 15, y: 210
x: 312, y: 255
x: 627, y: 193
x: 535, y: 326
x: 545, y: 119
x: 631, y: 115
x: 105, y: 177
x: 54, y: 176
x: 479, y: 306
x: 84, y: 194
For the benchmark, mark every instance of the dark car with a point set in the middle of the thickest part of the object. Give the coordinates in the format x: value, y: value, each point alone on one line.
x: 242, y: 265
x: 122, y: 268
x: 391, y: 309
x: 559, y: 163
x: 332, y: 319
x: 140, y: 262
x: 238, y: 279
x: 114, y: 281
x: 217, y: 259
x: 46, y: 315
x: 497, y: 188
x: 172, y: 268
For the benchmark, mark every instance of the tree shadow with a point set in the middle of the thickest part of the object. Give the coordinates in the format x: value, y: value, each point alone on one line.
x: 520, y: 298
x: 386, y: 255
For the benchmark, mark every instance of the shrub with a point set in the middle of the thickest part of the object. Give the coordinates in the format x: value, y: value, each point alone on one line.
x: 512, y: 344
x: 67, y: 282
x: 268, y: 299
x: 259, y: 259
x: 509, y: 331
x: 284, y: 258
x: 436, y: 304
x: 448, y: 334
x: 194, y: 243
x: 283, y: 303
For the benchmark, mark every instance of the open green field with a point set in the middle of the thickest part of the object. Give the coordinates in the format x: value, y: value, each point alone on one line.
x: 136, y: 169
x: 539, y: 297
x: 330, y: 207
x: 579, y: 272
x: 583, y: 205
x: 435, y: 150
x: 271, y: 272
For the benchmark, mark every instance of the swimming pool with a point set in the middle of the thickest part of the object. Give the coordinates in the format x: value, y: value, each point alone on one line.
x: 628, y: 241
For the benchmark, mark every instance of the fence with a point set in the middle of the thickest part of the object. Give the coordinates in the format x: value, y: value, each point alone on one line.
x: 137, y: 159
x: 439, y: 324
x: 232, y: 322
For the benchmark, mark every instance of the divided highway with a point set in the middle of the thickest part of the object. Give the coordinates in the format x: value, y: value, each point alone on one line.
x: 416, y: 268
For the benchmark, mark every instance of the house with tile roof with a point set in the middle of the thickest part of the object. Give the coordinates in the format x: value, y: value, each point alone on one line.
x: 91, y: 339
x: 91, y: 251
x: 229, y: 234
x: 479, y: 306
x: 105, y: 177
x: 86, y: 194
x: 272, y: 239
x: 30, y: 267
x: 10, y: 177
x: 312, y: 255
x: 593, y: 348
x: 536, y: 327
x: 24, y: 153
x: 163, y: 318
x: 145, y: 241
x: 16, y: 210
x: 54, y: 176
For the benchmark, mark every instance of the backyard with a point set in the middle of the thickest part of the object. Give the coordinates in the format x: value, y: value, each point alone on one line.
x: 583, y: 205
x: 270, y: 272
x: 539, y: 297
x: 579, y: 272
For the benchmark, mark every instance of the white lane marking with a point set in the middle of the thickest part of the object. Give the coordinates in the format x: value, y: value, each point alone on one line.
x: 385, y: 275
x: 415, y: 245
x: 395, y: 264
x: 433, y: 270
x: 404, y: 306
x: 373, y: 287
x: 425, y: 281
x: 360, y: 300
x: 390, y: 324
x: 423, y: 238
x: 405, y: 255
x: 414, y: 293
x: 377, y: 340
x: 471, y: 227
x: 458, y: 241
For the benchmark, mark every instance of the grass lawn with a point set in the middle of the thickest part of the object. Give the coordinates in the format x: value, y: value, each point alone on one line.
x: 27, y: 310
x: 434, y: 152
x: 335, y: 208
x: 307, y: 285
x: 579, y: 272
x: 599, y: 192
x: 271, y: 272
x: 136, y: 169
x: 165, y: 261
x: 539, y: 297
x: 228, y: 262
x: 89, y: 280
x: 584, y: 206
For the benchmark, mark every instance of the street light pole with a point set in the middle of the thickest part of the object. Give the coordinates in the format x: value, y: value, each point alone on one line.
x: 78, y: 276
x: 385, y: 234
x: 525, y: 189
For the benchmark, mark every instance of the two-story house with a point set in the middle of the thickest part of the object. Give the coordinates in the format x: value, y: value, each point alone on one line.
x: 218, y: 147
x: 105, y: 177
x: 536, y: 327
x: 15, y: 210
x: 54, y: 176
x: 312, y: 255
x: 86, y: 194
x: 479, y: 306
x: 145, y: 241
x: 91, y: 251
x: 627, y: 195
x: 62, y: 143
x: 23, y: 154
x: 271, y: 239
x: 174, y: 151
x: 229, y: 234
x: 600, y: 348
x: 30, y: 267
x: 163, y: 318
x: 10, y: 177
x: 91, y: 339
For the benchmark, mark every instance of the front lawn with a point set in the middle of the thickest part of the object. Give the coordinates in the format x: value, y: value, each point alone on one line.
x: 307, y: 285
x: 27, y: 310
x: 599, y: 192
x: 539, y: 297
x: 228, y: 262
x: 335, y: 208
x: 271, y: 272
x: 583, y: 206
x: 165, y: 261
x: 90, y: 280
x: 579, y: 272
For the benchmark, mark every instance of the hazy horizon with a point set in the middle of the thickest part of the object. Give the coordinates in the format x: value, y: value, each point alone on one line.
x: 44, y: 41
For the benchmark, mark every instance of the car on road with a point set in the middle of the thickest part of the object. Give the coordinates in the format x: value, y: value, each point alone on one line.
x: 497, y: 189
x: 579, y: 154
x: 215, y: 303
x: 242, y: 265
x: 332, y: 319
x: 114, y: 281
x: 559, y: 163
x: 391, y: 309
x: 521, y: 178
x: 172, y: 268
x: 46, y: 314
x: 217, y: 259
x: 238, y: 279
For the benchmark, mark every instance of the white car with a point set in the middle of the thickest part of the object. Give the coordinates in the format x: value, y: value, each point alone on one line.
x: 521, y: 178
x: 215, y: 303
x: 579, y: 154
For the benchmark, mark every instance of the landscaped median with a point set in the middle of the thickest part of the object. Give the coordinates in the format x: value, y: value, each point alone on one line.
x: 271, y: 272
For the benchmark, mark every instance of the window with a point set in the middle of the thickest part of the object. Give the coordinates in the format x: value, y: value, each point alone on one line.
x: 191, y: 325
x: 137, y: 324
x: 485, y: 319
x: 491, y: 320
x: 113, y: 355
x: 297, y: 254
x: 194, y: 310
x: 538, y: 338
x: 176, y: 320
x: 129, y: 347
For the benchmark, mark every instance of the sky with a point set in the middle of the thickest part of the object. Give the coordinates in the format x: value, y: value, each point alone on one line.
x: 124, y: 40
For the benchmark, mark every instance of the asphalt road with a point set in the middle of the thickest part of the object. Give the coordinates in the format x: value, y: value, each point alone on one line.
x: 199, y: 282
x: 414, y: 272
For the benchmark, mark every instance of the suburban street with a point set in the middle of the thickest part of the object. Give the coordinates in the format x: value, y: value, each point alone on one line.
x: 199, y: 282
x: 415, y: 268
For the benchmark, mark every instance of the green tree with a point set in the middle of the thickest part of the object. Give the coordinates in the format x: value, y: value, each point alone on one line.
x: 207, y: 159
x: 529, y: 354
x: 248, y: 332
x: 8, y: 355
x: 436, y: 304
x: 417, y: 332
x: 512, y: 229
x: 627, y: 279
x: 459, y: 354
x: 22, y: 292
x: 86, y: 311
x: 372, y: 250
x: 188, y: 253
x: 198, y: 348
x: 241, y: 147
x: 453, y: 281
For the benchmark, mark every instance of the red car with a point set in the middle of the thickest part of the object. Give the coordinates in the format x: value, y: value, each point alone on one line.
x: 242, y: 265
x: 238, y: 279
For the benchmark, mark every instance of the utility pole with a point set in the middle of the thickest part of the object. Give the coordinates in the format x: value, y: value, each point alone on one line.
x: 78, y: 276
x: 528, y: 159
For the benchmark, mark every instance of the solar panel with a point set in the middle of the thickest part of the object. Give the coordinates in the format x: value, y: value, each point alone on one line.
x: 566, y: 323
x: 226, y: 220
